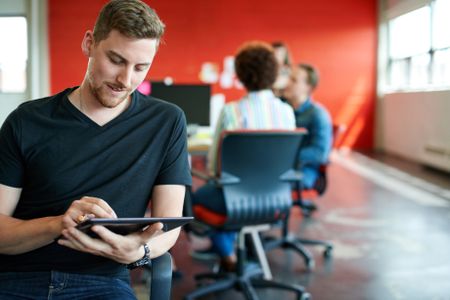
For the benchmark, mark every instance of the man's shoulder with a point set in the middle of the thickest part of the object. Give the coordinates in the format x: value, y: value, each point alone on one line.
x: 35, y: 104
x: 149, y: 102
x: 38, y: 106
x: 320, y: 112
x: 320, y: 108
x: 150, y: 106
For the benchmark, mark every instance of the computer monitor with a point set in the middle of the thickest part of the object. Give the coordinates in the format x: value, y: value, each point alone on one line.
x: 193, y: 99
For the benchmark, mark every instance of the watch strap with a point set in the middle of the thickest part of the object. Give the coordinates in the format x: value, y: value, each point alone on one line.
x: 141, y: 262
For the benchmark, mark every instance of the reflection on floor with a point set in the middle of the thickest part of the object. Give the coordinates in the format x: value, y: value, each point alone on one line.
x: 391, y: 237
x: 432, y: 175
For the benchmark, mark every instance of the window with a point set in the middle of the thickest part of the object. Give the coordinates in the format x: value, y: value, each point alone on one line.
x: 441, y: 24
x: 13, y: 54
x: 410, y: 34
x: 441, y: 67
x: 419, y: 70
x: 441, y: 43
x: 399, y: 73
x: 419, y: 48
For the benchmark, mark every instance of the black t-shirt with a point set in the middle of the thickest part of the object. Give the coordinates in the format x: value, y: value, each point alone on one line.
x: 56, y: 154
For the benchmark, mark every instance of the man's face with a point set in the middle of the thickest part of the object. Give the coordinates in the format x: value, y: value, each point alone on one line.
x: 117, y: 65
x: 298, y: 87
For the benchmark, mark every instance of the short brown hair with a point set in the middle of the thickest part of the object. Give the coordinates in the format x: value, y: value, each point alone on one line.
x: 256, y: 66
x: 313, y: 75
x: 132, y: 18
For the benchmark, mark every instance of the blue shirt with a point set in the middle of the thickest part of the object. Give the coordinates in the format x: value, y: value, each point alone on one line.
x: 316, y: 146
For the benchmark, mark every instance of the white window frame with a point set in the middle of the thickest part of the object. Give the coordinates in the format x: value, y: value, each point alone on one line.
x: 386, y: 62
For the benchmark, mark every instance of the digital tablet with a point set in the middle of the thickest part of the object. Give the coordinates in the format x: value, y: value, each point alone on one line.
x: 125, y: 226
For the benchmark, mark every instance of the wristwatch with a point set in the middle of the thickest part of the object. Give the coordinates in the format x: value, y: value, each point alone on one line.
x: 141, y: 262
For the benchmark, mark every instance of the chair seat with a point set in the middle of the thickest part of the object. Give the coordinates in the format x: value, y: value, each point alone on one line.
x: 309, y: 194
x: 208, y: 216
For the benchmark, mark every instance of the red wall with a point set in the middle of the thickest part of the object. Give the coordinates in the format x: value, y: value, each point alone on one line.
x: 338, y: 37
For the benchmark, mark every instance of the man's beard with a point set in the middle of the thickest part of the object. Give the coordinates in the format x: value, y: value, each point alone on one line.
x: 106, y: 101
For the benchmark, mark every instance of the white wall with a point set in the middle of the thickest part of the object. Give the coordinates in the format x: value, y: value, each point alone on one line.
x: 395, y: 8
x: 416, y: 126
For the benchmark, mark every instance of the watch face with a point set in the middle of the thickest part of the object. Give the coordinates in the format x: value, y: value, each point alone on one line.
x: 143, y: 261
x: 147, y: 251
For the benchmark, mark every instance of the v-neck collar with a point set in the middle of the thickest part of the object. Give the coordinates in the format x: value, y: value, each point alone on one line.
x: 80, y: 115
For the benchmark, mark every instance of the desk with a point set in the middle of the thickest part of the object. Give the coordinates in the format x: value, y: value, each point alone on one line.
x: 199, y: 146
x: 198, y: 151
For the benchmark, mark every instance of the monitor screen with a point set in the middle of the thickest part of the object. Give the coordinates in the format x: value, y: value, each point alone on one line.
x: 193, y: 99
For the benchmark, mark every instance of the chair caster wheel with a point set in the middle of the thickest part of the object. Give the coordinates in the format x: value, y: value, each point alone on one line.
x: 305, y: 296
x: 310, y: 265
x: 307, y: 213
x: 328, y: 252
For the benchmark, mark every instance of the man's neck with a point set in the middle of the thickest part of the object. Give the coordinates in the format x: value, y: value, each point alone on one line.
x: 85, y: 101
x: 300, y: 101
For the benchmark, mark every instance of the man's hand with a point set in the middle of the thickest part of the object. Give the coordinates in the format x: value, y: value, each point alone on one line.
x: 128, y: 249
x: 86, y: 206
x: 123, y: 249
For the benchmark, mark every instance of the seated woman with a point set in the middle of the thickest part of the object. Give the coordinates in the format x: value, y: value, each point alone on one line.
x: 257, y: 69
x: 284, y: 68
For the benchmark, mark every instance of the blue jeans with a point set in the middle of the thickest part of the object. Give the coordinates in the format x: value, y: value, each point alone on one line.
x: 62, y: 286
x: 212, y: 198
x: 310, y: 175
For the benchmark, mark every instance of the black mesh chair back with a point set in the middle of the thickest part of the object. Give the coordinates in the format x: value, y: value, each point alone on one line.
x: 256, y: 171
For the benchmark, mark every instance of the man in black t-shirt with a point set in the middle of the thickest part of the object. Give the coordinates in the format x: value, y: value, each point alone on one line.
x: 101, y: 149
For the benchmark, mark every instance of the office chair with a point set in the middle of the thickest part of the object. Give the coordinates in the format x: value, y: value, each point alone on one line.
x: 306, y: 198
x: 299, y: 195
x: 160, y: 270
x: 255, y: 173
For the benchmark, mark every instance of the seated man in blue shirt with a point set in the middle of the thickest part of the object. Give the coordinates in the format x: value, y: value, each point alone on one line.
x: 312, y: 116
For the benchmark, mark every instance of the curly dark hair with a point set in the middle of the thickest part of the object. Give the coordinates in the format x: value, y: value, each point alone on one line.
x: 256, y: 66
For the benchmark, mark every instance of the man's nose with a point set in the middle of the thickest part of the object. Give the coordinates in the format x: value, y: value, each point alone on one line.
x: 125, y: 77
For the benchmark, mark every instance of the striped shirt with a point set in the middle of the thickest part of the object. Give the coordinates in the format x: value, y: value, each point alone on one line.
x: 257, y: 110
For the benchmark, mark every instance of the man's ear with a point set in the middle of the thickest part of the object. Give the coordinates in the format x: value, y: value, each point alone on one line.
x: 87, y: 43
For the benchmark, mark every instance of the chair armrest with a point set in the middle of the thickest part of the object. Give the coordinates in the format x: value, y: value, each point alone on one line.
x: 225, y: 179
x: 292, y: 175
x: 201, y: 175
x: 161, y: 277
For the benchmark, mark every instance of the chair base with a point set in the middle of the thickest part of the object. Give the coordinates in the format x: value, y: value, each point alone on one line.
x: 328, y: 246
x: 307, y: 207
x: 245, y: 282
x: 296, y: 244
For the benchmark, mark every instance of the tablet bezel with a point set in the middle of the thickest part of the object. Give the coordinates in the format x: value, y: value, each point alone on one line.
x: 125, y: 226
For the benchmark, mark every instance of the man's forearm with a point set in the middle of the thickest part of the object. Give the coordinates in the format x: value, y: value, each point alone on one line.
x: 20, y: 236
x: 162, y: 208
x: 312, y: 155
x: 162, y: 243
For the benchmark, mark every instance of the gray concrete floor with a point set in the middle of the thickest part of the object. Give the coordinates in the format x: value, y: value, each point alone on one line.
x: 432, y: 175
x: 388, y: 245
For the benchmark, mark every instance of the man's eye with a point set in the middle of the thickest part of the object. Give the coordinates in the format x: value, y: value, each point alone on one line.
x: 115, y: 61
x: 140, y: 69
